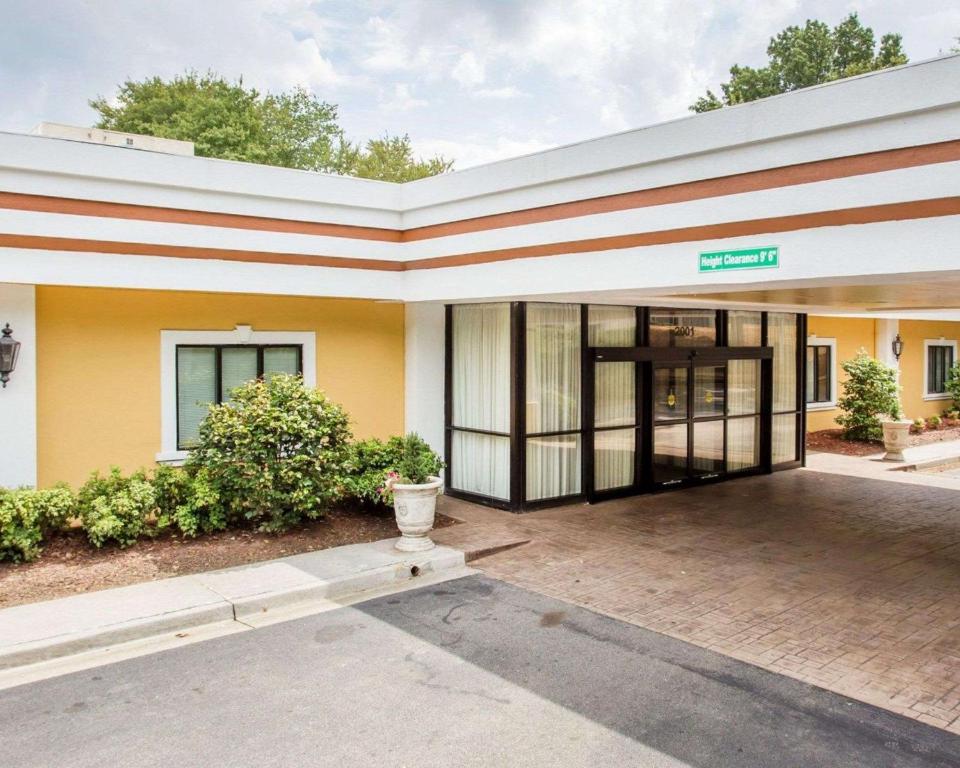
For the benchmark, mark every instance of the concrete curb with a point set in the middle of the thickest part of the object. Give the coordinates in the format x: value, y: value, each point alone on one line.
x: 43, y: 631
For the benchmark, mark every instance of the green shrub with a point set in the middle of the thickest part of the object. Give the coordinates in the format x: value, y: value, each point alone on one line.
x: 274, y: 454
x: 953, y: 385
x: 418, y: 463
x: 919, y: 425
x: 869, y: 393
x: 117, y: 508
x: 370, y: 461
x: 28, y: 516
x: 934, y: 422
x: 187, y: 502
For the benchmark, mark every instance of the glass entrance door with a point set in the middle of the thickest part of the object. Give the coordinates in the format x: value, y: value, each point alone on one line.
x: 660, y: 418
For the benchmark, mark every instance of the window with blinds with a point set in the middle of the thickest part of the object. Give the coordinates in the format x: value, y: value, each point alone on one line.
x: 208, y: 374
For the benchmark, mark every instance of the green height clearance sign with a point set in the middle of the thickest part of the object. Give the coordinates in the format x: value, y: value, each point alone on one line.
x: 744, y: 258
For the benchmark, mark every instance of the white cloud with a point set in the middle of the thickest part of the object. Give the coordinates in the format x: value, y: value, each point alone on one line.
x: 506, y: 92
x: 403, y: 99
x: 469, y: 70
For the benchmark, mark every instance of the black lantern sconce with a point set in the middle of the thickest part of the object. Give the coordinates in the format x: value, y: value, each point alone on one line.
x: 9, y: 352
x: 897, y: 347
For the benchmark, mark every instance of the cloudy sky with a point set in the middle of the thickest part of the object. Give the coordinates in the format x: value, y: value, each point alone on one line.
x: 476, y: 80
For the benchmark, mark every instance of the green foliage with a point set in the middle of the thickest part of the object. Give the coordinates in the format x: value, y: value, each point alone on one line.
x: 227, y: 120
x: 869, y: 393
x: 934, y: 422
x: 28, y: 516
x: 118, y: 509
x: 953, y: 384
x: 274, y: 454
x: 367, y: 468
x: 391, y: 158
x: 799, y: 57
x: 187, y: 501
x: 919, y: 425
x: 418, y: 463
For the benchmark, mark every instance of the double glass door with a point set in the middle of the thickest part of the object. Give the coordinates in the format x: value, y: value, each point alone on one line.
x: 662, y: 418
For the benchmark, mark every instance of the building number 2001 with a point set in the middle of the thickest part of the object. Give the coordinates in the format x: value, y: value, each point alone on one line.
x: 683, y: 330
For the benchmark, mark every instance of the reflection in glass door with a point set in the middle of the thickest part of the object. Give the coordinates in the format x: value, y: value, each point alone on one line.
x: 615, y: 426
x: 671, y: 410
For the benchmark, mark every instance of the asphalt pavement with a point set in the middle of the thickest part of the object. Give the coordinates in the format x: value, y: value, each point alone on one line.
x: 469, y: 672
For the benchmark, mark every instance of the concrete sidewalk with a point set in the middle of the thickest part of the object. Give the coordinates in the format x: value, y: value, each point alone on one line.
x: 54, y: 628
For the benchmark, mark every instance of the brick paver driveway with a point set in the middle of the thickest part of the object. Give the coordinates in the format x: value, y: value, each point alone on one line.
x: 848, y: 583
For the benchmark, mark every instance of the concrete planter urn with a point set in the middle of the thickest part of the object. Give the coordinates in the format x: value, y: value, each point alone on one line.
x: 896, y: 438
x: 415, y: 507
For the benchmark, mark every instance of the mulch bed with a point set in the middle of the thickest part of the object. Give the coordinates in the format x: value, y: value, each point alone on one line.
x: 830, y: 441
x: 70, y: 565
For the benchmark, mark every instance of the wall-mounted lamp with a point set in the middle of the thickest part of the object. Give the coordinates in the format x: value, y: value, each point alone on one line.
x: 897, y: 347
x: 9, y: 352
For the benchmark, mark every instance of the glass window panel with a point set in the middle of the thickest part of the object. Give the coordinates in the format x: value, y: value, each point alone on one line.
x: 613, y: 458
x: 481, y: 366
x: 611, y: 326
x: 669, y: 453
x: 708, y: 390
x: 811, y: 383
x: 615, y: 394
x: 196, y: 390
x: 553, y: 467
x: 743, y: 387
x: 707, y: 447
x: 237, y: 365
x: 784, y: 438
x: 480, y: 464
x: 553, y: 367
x: 280, y: 360
x: 743, y: 328
x: 670, y: 393
x: 782, y: 336
x: 743, y: 444
x: 823, y: 374
x: 683, y: 328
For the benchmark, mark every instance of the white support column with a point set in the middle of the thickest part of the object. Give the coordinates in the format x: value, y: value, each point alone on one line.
x: 424, y: 370
x: 18, y: 401
x: 886, y: 332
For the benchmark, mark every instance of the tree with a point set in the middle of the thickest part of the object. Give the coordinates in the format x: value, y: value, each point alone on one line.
x: 803, y: 56
x: 293, y: 129
x: 391, y: 159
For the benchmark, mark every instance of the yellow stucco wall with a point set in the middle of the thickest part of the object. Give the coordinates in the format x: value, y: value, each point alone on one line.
x: 98, y: 389
x: 913, y: 333
x: 851, y: 334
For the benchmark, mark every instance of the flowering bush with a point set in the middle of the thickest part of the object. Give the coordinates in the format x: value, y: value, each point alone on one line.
x: 375, y: 465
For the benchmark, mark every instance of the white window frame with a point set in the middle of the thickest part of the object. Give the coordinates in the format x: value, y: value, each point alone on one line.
x: 242, y: 334
x: 819, y: 341
x: 941, y: 342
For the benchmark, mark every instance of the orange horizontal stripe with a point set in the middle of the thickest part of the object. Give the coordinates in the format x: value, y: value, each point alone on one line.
x: 771, y: 178
x: 920, y: 209
x: 38, y: 242
x: 871, y: 214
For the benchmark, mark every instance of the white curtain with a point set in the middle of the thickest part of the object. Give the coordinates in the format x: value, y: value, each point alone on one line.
x: 553, y: 466
x: 553, y: 367
x: 553, y: 399
x: 610, y: 326
x: 708, y: 446
x: 481, y: 367
x: 743, y: 443
x: 743, y: 328
x: 784, y: 437
x: 743, y: 387
x: 614, y: 451
x: 481, y: 399
x: 782, y: 336
x: 480, y: 464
